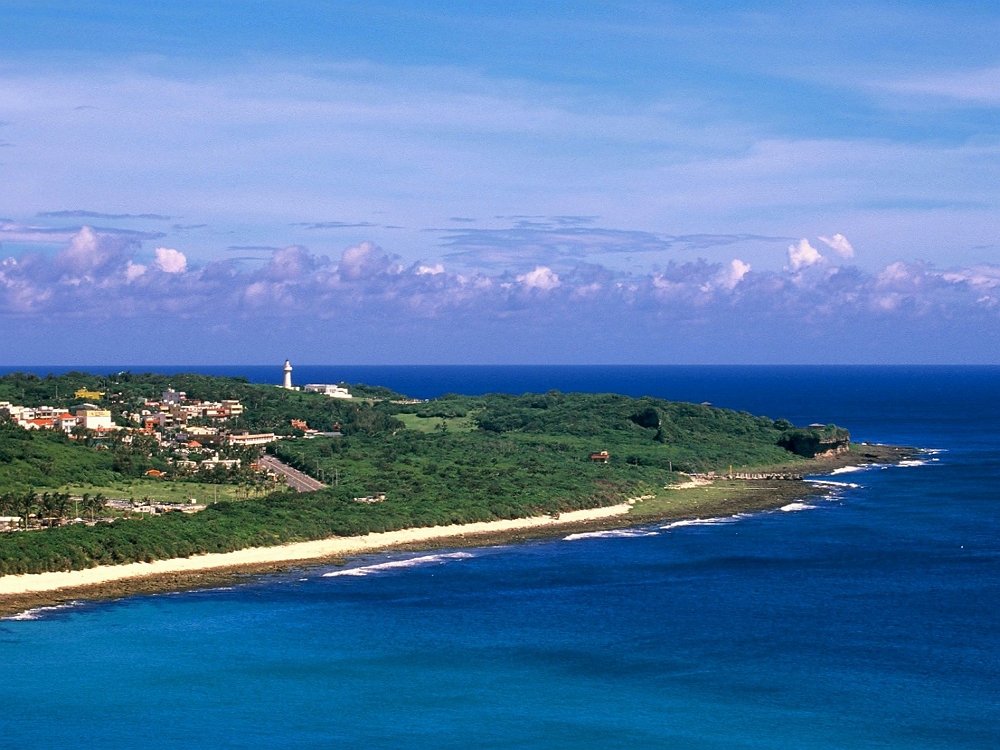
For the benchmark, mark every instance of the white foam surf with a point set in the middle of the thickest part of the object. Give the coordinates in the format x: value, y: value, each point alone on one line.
x: 792, y: 507
x: 848, y: 469
x: 37, y: 613
x: 717, y: 521
x: 914, y: 462
x: 829, y: 483
x: 609, y: 534
x: 411, y: 562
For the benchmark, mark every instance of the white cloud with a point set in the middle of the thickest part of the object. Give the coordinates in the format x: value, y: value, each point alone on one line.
x: 839, y: 244
x: 133, y: 271
x: 89, y: 251
x: 362, y: 261
x: 170, y: 261
x: 978, y: 276
x: 733, y: 274
x: 802, y: 255
x: 430, y: 270
x: 541, y: 278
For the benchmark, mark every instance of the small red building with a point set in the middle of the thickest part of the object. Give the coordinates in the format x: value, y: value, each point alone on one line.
x: 601, y: 458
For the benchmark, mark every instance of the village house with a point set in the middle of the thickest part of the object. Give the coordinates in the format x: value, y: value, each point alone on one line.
x: 94, y: 417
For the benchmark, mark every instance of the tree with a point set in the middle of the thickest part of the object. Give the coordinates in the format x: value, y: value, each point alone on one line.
x: 60, y: 504
x: 25, y: 505
x: 45, y: 509
x: 94, y: 504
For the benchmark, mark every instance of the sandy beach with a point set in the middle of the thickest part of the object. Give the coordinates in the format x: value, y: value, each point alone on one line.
x: 37, y: 583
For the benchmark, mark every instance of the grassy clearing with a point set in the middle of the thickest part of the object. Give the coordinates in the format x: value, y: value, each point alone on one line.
x: 708, y: 500
x: 431, y: 424
x: 157, y: 490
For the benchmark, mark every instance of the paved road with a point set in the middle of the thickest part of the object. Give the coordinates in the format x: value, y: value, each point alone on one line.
x: 296, y: 479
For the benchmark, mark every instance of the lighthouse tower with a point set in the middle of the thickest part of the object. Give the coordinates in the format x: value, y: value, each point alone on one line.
x: 288, y: 375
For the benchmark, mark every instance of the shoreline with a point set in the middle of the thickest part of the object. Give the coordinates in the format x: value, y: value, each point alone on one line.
x: 19, y: 593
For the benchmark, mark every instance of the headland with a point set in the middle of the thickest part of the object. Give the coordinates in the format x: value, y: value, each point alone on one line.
x: 374, y: 471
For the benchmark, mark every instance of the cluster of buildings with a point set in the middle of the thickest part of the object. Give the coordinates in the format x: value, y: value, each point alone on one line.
x: 174, y: 409
x: 88, y: 416
x: 182, y: 424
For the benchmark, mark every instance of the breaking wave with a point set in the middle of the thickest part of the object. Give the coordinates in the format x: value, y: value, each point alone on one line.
x: 792, y: 507
x: 705, y: 521
x: 609, y: 533
x: 412, y: 562
x: 39, y: 613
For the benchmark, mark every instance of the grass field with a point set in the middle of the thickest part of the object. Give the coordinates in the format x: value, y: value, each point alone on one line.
x: 158, y: 490
x: 717, y: 498
x: 430, y: 424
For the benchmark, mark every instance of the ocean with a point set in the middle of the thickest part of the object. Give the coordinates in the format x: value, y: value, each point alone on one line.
x: 866, y: 618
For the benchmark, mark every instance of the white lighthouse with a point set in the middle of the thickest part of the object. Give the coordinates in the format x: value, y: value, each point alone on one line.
x: 288, y: 376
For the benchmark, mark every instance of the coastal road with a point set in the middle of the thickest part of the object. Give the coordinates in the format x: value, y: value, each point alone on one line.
x: 296, y: 479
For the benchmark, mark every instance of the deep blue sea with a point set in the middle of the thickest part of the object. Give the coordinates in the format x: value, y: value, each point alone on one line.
x: 868, y: 619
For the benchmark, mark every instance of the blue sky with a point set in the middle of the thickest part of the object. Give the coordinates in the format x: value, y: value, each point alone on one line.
x: 499, y: 182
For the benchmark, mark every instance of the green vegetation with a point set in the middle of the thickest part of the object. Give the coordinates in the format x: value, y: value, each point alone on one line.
x: 430, y: 424
x: 160, y: 490
x: 456, y: 459
x: 43, y: 458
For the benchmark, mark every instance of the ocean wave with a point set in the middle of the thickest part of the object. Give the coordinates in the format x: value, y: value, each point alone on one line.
x: 609, y: 534
x: 792, y: 507
x: 829, y: 483
x: 411, y: 562
x: 38, y: 613
x: 848, y: 469
x: 717, y: 521
x: 915, y: 462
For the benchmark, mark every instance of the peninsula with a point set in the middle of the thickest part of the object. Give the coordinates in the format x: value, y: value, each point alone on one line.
x: 280, y: 476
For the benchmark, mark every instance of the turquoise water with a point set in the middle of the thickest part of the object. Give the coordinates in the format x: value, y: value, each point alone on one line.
x: 867, y: 619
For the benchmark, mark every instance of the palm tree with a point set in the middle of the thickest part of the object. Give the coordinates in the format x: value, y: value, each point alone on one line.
x: 47, y: 507
x: 25, y: 504
x: 60, y: 504
x: 94, y: 504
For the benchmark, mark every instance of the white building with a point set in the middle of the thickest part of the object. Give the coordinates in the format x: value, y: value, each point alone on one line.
x: 333, y: 391
x: 249, y: 439
x: 94, y: 418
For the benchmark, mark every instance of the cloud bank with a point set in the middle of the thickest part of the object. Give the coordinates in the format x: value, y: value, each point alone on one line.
x: 98, y: 281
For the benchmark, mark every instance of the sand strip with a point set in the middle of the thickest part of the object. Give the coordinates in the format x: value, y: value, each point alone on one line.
x: 34, y: 583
